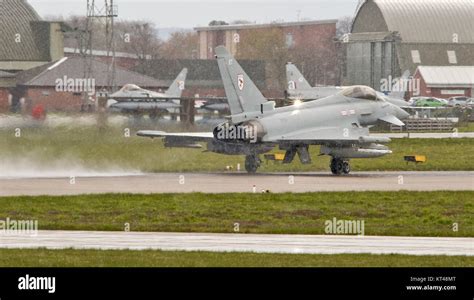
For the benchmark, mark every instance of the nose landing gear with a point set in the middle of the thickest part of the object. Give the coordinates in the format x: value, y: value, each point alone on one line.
x: 340, y: 166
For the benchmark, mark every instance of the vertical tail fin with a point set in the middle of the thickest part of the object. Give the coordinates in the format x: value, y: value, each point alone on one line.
x: 242, y: 94
x: 177, y: 87
x: 295, y: 79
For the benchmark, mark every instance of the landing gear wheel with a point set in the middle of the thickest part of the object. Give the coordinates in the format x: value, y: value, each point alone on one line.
x: 336, y: 166
x: 333, y: 166
x: 346, y: 167
x: 252, y: 163
x: 339, y: 166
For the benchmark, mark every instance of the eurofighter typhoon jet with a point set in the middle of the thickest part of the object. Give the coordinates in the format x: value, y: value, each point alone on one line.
x: 131, y: 98
x: 299, y: 88
x: 339, y: 123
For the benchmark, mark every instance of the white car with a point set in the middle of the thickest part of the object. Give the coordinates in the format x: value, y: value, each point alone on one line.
x: 459, y: 101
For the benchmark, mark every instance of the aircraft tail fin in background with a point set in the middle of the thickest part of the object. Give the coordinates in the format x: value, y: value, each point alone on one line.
x: 242, y: 94
x: 295, y: 79
x: 177, y: 87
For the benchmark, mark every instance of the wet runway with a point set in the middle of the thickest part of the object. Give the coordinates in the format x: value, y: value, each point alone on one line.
x: 239, y: 182
x: 263, y: 243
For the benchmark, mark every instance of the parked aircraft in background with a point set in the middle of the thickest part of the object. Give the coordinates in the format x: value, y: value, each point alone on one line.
x: 133, y: 99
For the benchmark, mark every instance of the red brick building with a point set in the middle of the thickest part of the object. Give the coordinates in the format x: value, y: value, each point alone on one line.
x: 310, y: 45
x: 297, y: 34
x: 445, y: 81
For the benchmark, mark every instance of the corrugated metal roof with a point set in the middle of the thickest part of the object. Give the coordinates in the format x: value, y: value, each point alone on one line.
x: 429, y: 21
x: 434, y: 55
x: 4, y: 74
x: 456, y: 76
x: 73, y: 67
x: 15, y: 19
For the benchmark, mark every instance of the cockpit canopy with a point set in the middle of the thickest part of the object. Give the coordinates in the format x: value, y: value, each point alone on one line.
x: 360, y: 92
x: 131, y: 88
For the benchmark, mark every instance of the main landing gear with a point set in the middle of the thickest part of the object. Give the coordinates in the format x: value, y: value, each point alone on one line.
x: 340, y: 166
x: 252, y: 162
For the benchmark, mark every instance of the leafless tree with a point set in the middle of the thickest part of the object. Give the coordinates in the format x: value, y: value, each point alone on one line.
x: 270, y: 46
x: 181, y: 45
x: 140, y: 39
x: 343, y: 26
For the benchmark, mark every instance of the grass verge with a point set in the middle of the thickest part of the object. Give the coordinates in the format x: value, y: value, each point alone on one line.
x: 384, y: 213
x: 149, y: 258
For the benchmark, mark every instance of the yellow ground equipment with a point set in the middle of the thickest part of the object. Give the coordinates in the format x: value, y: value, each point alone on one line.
x: 275, y: 156
x: 415, y: 158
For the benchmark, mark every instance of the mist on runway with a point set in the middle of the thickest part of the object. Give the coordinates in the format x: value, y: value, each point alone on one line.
x: 31, y: 166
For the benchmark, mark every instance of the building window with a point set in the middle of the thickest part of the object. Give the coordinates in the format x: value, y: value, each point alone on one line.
x: 452, y: 92
x: 415, y: 56
x: 452, y: 57
x: 289, y: 40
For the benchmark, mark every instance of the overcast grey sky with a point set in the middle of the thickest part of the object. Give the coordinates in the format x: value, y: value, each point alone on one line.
x: 191, y: 13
